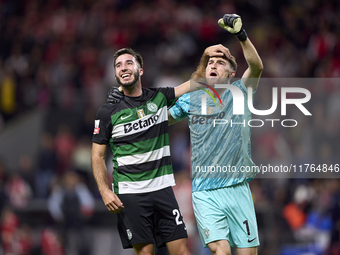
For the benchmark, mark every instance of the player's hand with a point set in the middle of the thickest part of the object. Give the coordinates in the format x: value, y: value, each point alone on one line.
x: 233, y: 24
x: 114, y: 95
x: 112, y: 201
x: 217, y: 51
x: 213, y: 51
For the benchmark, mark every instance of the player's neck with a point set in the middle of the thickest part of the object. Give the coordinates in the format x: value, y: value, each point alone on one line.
x: 134, y: 90
x: 220, y: 91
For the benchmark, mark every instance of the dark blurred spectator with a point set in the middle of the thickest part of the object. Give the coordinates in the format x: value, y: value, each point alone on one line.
x: 43, y: 95
x: 334, y: 211
x: 317, y: 227
x: 65, y: 143
x: 71, y: 204
x: 27, y: 170
x: 3, y: 197
x: 51, y: 242
x: 24, y: 240
x: 46, y: 165
x: 3, y: 179
x: 81, y: 160
x: 17, y: 62
x: 9, y: 224
x: 18, y: 191
x: 1, y: 122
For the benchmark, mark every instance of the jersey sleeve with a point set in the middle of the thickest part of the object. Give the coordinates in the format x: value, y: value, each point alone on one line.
x: 239, y: 83
x: 169, y: 94
x: 102, y: 125
x: 181, y: 108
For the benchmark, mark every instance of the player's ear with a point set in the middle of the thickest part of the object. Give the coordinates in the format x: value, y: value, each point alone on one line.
x: 231, y: 74
x: 141, y: 71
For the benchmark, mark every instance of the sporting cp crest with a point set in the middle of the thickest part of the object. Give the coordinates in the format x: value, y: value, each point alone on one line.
x: 129, y: 234
x: 152, y: 107
x: 206, y: 232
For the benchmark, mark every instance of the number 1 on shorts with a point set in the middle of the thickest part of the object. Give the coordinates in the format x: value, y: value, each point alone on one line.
x: 247, y: 227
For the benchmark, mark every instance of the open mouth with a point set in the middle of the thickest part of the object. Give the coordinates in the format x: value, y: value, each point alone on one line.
x: 213, y: 74
x: 126, y: 75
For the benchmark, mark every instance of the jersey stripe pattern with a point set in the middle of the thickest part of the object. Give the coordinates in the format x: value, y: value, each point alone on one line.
x: 220, y: 140
x: 136, y: 130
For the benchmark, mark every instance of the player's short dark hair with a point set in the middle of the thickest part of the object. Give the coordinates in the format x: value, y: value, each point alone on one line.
x: 130, y: 51
x: 232, y: 62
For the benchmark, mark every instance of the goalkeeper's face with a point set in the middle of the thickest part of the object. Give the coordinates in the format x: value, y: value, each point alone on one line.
x: 218, y: 71
x: 128, y: 71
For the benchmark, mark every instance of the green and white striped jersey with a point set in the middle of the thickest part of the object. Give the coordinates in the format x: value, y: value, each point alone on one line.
x: 136, y: 129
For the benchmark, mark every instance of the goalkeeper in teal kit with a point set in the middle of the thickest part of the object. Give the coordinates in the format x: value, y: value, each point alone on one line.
x: 220, y: 141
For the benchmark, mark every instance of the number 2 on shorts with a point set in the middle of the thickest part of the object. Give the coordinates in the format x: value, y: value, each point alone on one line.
x: 178, y: 214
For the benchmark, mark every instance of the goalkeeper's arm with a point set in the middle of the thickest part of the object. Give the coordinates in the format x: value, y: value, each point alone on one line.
x: 233, y: 24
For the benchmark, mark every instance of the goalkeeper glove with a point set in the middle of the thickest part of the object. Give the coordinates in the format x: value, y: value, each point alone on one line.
x: 114, y: 95
x: 233, y: 24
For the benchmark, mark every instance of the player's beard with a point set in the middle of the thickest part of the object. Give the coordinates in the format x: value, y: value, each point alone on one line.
x: 129, y: 84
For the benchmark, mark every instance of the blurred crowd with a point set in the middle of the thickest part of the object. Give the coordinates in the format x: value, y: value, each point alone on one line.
x: 57, y: 55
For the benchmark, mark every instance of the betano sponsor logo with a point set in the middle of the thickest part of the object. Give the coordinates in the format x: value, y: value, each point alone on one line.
x: 141, y: 124
x: 206, y: 120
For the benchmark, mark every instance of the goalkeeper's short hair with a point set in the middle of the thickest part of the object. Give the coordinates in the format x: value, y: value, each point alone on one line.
x: 232, y: 61
x: 200, y: 72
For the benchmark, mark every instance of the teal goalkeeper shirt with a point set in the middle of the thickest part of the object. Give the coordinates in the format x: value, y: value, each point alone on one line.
x: 220, y: 140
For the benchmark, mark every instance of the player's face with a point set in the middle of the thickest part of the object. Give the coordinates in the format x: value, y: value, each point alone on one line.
x: 218, y: 70
x: 127, y: 69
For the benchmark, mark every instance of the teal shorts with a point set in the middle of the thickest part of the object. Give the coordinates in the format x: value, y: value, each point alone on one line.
x: 226, y: 214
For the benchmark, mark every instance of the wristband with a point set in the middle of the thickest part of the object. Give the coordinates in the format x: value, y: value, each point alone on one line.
x: 241, y: 35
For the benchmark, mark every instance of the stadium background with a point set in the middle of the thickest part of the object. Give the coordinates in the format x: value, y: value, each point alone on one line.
x: 55, y: 71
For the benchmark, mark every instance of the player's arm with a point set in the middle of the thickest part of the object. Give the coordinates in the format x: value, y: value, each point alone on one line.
x: 252, y: 74
x: 233, y: 24
x: 180, y: 110
x: 212, y: 51
x: 171, y: 119
x: 110, y: 199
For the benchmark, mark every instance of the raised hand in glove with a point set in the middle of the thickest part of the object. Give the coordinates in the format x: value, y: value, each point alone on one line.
x: 114, y: 95
x: 233, y: 24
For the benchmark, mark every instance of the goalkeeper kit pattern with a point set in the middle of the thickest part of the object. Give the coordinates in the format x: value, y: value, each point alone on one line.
x: 220, y: 140
x: 136, y: 130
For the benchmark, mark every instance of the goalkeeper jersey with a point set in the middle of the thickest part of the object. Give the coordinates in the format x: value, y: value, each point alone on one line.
x: 220, y: 141
x: 136, y: 129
